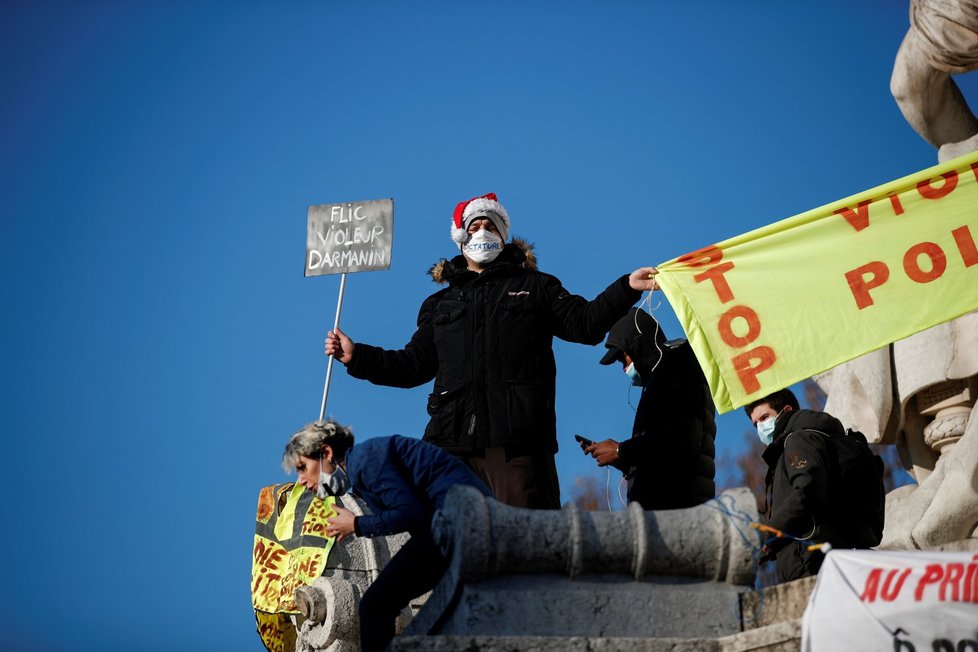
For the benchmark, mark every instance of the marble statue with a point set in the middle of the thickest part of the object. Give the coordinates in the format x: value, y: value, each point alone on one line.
x: 942, y: 41
x: 919, y: 393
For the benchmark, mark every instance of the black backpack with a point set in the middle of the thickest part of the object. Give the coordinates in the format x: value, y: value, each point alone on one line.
x: 858, y: 497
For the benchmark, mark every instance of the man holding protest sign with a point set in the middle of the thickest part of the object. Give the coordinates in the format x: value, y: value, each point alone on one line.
x: 487, y: 340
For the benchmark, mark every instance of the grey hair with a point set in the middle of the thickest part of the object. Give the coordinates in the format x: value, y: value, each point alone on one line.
x: 309, y: 441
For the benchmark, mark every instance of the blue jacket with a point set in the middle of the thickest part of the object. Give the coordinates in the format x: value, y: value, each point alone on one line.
x: 404, y: 481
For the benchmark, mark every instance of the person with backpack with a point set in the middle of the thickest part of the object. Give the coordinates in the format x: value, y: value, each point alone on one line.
x: 823, y: 485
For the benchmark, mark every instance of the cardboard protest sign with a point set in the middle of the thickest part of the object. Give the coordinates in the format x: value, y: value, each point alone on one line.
x: 893, y: 600
x: 782, y: 303
x: 349, y: 237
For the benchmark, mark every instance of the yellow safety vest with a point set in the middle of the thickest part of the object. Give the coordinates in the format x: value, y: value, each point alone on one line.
x: 291, y: 549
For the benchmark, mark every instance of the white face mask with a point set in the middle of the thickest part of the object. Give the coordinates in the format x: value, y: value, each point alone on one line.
x: 483, y: 246
x: 332, y: 484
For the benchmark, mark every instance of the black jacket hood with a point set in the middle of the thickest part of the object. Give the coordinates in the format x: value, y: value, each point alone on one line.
x: 641, y: 336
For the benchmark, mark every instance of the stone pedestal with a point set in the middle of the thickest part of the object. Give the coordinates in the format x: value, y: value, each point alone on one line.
x: 567, y: 573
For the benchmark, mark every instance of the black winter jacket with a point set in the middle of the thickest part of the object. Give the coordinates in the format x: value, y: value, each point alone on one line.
x: 801, y: 497
x: 487, y: 340
x: 669, y: 460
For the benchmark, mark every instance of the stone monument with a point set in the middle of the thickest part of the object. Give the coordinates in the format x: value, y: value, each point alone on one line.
x: 568, y: 579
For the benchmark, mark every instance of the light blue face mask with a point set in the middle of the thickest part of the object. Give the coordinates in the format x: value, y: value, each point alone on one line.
x: 765, y: 430
x: 632, y: 373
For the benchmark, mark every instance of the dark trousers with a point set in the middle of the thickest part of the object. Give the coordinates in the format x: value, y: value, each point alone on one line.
x: 520, y: 481
x: 416, y: 568
x: 796, y: 561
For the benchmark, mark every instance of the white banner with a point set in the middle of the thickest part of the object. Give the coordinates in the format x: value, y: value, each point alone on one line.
x: 897, y: 601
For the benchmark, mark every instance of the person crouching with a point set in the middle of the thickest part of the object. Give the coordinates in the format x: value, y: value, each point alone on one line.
x: 404, y: 481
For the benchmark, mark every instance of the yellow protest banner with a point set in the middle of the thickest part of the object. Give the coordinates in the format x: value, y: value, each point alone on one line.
x: 777, y: 305
x: 290, y: 551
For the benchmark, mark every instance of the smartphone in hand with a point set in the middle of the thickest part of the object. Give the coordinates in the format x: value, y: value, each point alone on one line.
x: 583, y: 441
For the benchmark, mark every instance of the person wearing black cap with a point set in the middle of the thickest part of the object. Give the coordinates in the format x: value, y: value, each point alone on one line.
x: 669, y: 459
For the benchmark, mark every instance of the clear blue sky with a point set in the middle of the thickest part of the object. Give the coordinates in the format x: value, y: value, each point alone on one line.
x: 156, y: 162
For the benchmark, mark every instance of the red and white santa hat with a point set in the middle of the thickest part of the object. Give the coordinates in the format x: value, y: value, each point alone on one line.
x: 484, y: 206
